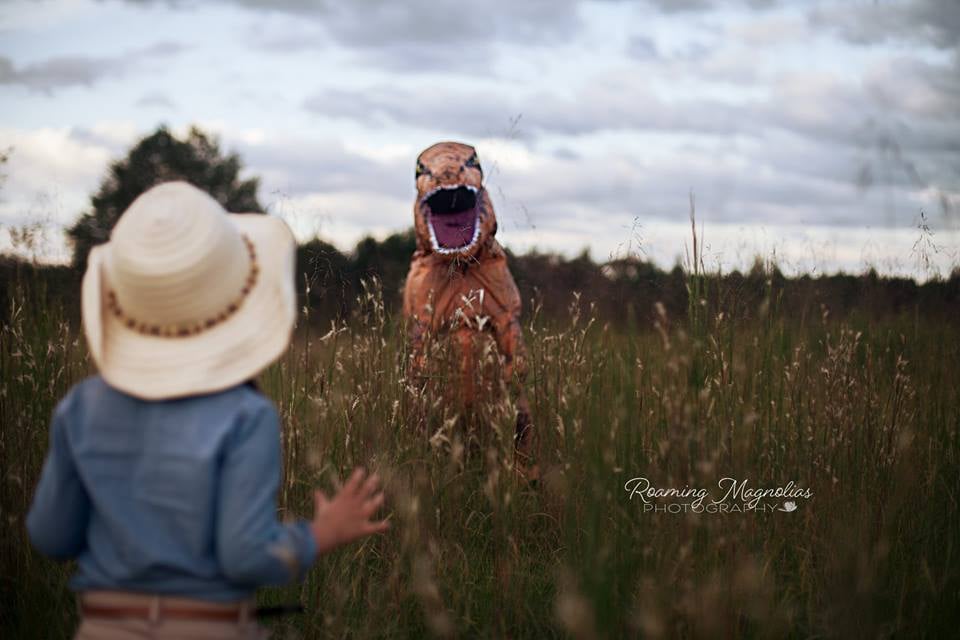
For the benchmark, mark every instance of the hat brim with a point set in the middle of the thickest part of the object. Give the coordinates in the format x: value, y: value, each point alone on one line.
x: 227, y: 354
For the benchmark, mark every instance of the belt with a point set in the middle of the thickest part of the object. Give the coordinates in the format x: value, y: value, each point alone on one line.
x: 148, y: 613
x: 154, y: 608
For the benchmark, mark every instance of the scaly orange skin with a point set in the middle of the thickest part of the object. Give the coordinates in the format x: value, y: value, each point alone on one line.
x: 454, y: 291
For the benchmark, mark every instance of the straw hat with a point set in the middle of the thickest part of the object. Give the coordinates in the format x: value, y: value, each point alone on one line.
x: 187, y: 299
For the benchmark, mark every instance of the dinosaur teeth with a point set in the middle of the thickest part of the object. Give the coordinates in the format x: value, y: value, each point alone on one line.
x: 440, y: 248
x: 449, y: 187
x: 452, y: 214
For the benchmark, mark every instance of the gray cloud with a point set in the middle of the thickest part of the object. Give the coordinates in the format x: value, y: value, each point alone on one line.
x: 416, y: 35
x: 471, y: 113
x: 155, y: 100
x: 801, y: 149
x: 292, y: 35
x: 621, y: 189
x: 381, y: 23
x: 904, y: 99
x: 811, y: 106
x: 932, y: 21
x: 787, y: 180
x: 61, y: 72
x: 415, y: 57
x: 681, y: 6
x: 425, y: 36
x: 609, y: 103
x: 642, y: 48
x: 378, y: 25
x: 296, y: 167
x: 899, y: 101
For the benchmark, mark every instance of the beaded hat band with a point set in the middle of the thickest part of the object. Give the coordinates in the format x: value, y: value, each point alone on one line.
x: 193, y: 328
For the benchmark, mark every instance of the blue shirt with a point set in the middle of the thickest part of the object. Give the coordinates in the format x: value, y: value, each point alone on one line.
x: 173, y: 497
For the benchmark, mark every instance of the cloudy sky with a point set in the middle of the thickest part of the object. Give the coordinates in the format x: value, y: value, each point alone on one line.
x: 816, y: 132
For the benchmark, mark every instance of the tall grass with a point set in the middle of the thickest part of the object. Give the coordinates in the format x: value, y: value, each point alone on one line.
x: 866, y: 415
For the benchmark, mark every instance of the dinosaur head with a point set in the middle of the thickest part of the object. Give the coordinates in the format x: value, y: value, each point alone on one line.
x: 453, y: 214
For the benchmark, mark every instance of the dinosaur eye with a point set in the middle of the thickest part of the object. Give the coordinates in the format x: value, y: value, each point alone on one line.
x: 474, y: 161
x: 421, y: 170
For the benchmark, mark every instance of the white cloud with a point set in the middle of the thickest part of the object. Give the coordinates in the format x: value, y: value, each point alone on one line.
x: 50, y: 175
x: 47, y: 160
x: 343, y: 217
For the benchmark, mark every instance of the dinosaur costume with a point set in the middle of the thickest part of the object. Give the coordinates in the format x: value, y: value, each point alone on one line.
x: 459, y: 280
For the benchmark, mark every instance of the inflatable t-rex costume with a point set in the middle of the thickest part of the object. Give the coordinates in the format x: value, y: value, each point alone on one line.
x: 459, y: 275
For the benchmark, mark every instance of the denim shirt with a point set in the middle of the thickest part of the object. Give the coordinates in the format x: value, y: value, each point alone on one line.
x: 172, y: 497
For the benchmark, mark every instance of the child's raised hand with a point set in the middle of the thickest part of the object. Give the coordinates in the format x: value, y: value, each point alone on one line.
x: 347, y: 516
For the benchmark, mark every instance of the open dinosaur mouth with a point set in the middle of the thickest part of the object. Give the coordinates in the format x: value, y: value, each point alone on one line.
x: 452, y: 213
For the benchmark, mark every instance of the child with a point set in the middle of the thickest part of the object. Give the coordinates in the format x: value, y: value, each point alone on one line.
x: 163, y: 470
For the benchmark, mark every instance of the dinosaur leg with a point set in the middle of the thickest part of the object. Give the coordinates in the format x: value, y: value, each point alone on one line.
x: 418, y: 313
x: 468, y: 364
x: 416, y: 332
x: 512, y: 350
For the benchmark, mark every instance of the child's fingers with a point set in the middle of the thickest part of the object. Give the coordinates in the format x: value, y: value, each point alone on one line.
x: 321, y: 503
x: 370, y: 486
x: 376, y: 527
x: 354, y: 482
x: 372, y: 504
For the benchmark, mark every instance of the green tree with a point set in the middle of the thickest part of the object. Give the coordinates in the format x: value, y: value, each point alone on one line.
x: 161, y: 157
x: 388, y: 260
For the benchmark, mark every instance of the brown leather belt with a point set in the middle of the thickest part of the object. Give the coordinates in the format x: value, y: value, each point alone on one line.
x: 154, y: 607
x: 147, y: 613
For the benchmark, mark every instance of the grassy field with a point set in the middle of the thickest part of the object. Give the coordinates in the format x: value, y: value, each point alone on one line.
x: 865, y: 413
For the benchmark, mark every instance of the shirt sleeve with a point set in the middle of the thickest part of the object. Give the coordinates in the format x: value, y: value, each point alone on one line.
x: 253, y: 548
x: 58, y: 518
